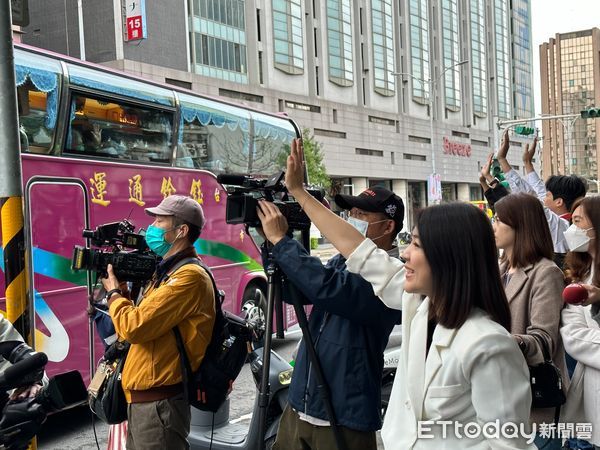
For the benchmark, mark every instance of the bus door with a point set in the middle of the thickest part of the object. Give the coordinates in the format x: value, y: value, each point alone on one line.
x: 56, y: 212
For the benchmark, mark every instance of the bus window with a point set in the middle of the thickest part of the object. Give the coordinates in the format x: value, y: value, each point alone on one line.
x: 271, y: 144
x: 37, y: 95
x: 213, y: 136
x: 115, y: 129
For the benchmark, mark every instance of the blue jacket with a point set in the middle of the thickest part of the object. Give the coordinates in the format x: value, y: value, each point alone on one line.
x: 350, y: 327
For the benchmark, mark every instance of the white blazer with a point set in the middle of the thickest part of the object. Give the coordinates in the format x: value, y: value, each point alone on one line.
x: 473, y: 374
x: 581, y: 338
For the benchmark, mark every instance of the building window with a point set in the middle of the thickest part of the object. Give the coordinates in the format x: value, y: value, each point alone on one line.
x: 522, y: 58
x: 419, y: 48
x: 287, y: 34
x: 502, y: 57
x: 478, y: 58
x: 451, y: 49
x: 339, y: 42
x: 219, y: 39
x: 227, y: 12
x: 383, y: 46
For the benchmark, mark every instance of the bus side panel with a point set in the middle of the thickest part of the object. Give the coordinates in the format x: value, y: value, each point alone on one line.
x: 117, y: 191
x: 62, y: 324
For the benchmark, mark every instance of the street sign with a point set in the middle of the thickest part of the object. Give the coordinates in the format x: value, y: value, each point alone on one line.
x: 20, y: 12
x: 434, y: 189
x: 135, y: 17
x: 524, y: 131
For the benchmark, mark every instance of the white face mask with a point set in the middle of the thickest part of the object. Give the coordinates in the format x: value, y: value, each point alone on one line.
x: 362, y: 226
x: 577, y: 239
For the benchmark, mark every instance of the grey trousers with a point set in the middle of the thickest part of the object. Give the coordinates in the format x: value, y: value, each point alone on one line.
x: 159, y: 425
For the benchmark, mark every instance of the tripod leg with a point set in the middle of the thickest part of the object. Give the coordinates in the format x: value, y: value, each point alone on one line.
x: 263, y: 395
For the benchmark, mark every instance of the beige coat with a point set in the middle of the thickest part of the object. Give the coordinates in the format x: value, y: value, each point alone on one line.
x: 534, y: 296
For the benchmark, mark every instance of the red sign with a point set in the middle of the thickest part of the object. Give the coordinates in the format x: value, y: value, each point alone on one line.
x: 134, y: 28
x: 135, y: 15
x: 456, y: 148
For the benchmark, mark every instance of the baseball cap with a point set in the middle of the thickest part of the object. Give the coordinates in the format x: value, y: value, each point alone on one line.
x: 182, y: 207
x: 375, y: 199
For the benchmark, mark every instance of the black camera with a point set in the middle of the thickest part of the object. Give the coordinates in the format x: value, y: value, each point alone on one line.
x: 22, y: 419
x: 137, y: 263
x: 243, y: 193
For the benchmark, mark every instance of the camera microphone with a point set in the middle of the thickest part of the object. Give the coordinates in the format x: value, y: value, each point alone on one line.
x: 21, y: 371
x: 232, y: 179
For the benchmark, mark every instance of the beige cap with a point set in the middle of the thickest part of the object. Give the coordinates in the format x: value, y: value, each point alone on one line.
x: 182, y: 207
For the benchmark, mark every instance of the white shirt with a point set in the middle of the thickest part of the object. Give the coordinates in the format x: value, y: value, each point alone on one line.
x: 535, y: 186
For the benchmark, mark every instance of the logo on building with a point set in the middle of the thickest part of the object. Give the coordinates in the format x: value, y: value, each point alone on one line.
x: 456, y: 148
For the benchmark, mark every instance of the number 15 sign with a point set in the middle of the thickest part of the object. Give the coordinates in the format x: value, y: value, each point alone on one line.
x: 136, y: 19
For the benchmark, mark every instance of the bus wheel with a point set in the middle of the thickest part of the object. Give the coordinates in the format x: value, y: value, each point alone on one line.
x: 254, y: 307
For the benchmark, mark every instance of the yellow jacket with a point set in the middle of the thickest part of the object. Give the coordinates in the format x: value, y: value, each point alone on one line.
x: 185, y: 299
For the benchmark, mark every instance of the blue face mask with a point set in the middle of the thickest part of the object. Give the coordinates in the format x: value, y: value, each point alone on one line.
x: 155, y: 238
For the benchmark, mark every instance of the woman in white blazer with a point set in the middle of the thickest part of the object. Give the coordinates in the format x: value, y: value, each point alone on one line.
x: 580, y: 330
x: 459, y: 367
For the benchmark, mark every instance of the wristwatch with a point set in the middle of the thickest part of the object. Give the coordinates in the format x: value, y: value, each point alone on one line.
x: 493, y: 183
x: 110, y: 293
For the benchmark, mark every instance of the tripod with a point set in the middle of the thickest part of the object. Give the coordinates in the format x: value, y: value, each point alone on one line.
x: 275, y: 278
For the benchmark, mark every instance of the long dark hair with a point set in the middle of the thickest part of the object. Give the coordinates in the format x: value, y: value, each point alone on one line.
x: 459, y: 245
x: 524, y: 213
x: 579, y: 264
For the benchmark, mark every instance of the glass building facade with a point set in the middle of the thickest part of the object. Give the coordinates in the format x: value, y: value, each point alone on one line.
x: 219, y: 48
x: 287, y: 36
x: 419, y: 48
x: 522, y: 62
x: 478, y: 58
x: 577, y: 93
x: 451, y: 53
x: 218, y: 39
x: 383, y: 46
x: 339, y: 42
x: 502, y: 58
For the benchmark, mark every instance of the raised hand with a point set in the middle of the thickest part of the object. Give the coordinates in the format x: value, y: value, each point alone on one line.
x: 529, y: 152
x: 485, y: 173
x: 504, y: 145
x: 294, y: 175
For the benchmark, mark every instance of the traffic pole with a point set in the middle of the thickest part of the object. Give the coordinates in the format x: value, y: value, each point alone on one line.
x: 11, y: 191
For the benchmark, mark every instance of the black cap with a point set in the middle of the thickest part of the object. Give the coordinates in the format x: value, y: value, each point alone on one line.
x: 375, y: 199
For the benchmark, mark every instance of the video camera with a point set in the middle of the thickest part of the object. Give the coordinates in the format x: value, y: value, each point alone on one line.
x: 22, y: 419
x: 245, y: 191
x: 138, y: 264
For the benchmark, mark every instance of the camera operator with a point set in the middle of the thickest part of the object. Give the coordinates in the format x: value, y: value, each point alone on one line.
x: 9, y: 333
x: 158, y: 412
x: 349, y: 327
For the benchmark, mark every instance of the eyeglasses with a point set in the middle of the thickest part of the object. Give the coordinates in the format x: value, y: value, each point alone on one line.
x: 495, y: 219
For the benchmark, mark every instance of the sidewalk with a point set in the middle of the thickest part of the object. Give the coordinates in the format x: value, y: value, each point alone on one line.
x: 324, y: 252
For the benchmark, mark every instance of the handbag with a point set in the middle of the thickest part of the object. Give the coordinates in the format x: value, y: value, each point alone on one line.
x: 105, y: 392
x: 546, y: 384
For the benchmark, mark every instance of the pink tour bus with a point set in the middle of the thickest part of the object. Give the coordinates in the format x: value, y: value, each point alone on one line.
x: 99, y: 146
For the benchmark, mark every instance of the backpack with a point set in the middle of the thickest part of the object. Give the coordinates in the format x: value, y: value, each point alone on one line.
x: 208, y: 387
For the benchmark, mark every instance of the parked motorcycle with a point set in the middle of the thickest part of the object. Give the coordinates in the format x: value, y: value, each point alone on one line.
x: 214, y: 431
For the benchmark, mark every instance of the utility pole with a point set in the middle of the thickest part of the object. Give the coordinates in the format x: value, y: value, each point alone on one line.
x: 11, y: 191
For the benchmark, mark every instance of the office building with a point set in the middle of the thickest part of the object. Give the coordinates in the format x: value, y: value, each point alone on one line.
x: 359, y: 74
